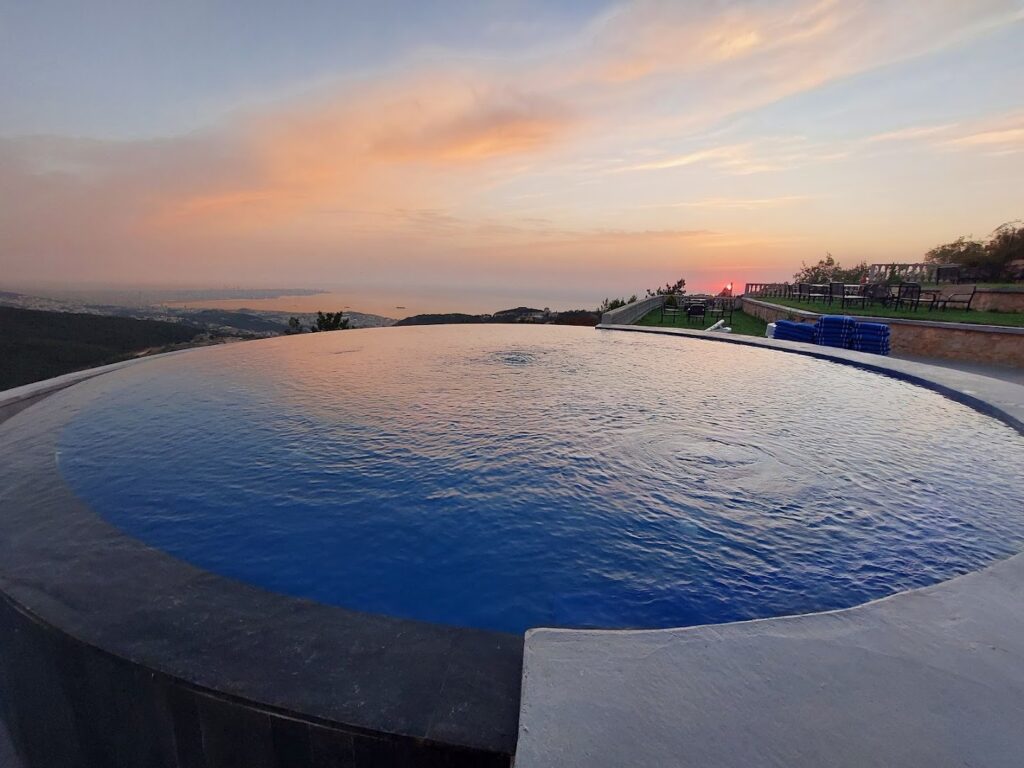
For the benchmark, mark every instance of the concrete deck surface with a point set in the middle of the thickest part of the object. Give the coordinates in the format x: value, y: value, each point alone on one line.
x: 929, y: 678
x: 1003, y: 372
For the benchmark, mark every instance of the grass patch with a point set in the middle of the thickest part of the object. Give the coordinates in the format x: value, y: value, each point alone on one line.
x: 742, y: 323
x: 949, y: 316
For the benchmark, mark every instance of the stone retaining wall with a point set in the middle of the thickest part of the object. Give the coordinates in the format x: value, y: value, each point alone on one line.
x: 998, y: 300
x: 632, y: 312
x: 988, y: 344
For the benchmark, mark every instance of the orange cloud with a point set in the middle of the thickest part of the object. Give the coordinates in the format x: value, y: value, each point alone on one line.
x: 383, y: 144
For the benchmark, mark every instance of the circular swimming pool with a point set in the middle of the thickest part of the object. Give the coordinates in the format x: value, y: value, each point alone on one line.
x: 507, y: 477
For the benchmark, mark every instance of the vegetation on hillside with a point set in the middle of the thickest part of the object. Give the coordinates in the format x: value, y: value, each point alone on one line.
x: 330, y: 321
x: 234, y: 319
x: 515, y: 315
x: 999, y: 257
x: 609, y: 304
x: 678, y: 288
x: 447, y: 318
x: 36, y: 345
x: 828, y: 270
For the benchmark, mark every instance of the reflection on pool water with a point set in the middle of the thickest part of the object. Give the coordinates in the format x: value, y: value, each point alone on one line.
x: 506, y: 477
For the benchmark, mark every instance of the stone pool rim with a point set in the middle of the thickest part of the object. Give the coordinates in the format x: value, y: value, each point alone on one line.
x: 486, y: 669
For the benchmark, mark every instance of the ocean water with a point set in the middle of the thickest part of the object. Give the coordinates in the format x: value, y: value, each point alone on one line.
x: 507, y: 477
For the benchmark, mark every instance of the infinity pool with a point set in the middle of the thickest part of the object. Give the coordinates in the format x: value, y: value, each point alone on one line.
x: 507, y: 477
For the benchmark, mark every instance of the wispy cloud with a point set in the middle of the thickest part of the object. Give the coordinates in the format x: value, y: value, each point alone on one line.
x: 724, y: 154
x: 763, y: 155
x: 1004, y: 136
x: 744, y: 204
x: 911, y: 133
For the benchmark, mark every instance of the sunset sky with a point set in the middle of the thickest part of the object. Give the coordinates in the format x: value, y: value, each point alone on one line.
x: 557, y: 152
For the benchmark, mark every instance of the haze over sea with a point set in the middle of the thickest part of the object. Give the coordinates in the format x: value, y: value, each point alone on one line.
x: 402, y: 303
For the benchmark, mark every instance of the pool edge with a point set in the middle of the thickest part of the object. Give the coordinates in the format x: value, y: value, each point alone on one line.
x: 185, y: 713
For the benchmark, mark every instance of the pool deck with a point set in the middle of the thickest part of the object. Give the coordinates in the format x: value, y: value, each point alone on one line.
x: 932, y: 677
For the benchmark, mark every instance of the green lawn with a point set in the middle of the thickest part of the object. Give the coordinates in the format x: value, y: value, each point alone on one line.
x: 742, y: 323
x: 949, y: 316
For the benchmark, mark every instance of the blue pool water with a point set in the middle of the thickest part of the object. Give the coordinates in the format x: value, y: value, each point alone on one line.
x: 506, y: 477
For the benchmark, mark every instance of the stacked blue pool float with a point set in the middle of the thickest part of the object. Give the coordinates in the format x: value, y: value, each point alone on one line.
x: 835, y: 331
x: 871, y: 337
x: 789, y: 330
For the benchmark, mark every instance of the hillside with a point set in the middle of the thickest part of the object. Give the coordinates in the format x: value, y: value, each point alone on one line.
x: 36, y: 345
x: 443, y: 319
x: 516, y: 315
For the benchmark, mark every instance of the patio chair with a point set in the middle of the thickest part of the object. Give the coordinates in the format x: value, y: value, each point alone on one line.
x: 727, y: 305
x: 957, y: 300
x: 836, y: 292
x: 877, y: 292
x: 672, y: 311
x: 696, y: 311
x: 908, y: 295
x: 720, y: 308
x: 853, y: 294
x: 801, y: 292
x: 843, y: 293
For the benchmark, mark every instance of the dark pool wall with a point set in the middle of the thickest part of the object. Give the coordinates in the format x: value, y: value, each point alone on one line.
x: 80, y: 601
x: 69, y: 705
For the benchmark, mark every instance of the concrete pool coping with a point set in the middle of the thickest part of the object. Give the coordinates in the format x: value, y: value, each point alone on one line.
x: 932, y: 677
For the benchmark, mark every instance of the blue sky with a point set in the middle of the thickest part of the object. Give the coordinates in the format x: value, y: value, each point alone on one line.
x: 138, y: 69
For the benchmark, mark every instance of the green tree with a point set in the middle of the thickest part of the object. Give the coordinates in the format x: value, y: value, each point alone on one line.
x: 678, y: 288
x: 828, y: 270
x: 964, y: 251
x: 294, y: 326
x: 990, y: 259
x: 1006, y: 245
x: 331, y: 321
x: 609, y: 304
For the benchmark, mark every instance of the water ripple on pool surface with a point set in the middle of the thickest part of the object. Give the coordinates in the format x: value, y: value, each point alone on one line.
x: 508, y: 477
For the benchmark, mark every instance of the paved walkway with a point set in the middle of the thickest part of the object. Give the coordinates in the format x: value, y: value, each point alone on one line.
x: 925, y: 679
x: 1005, y: 373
